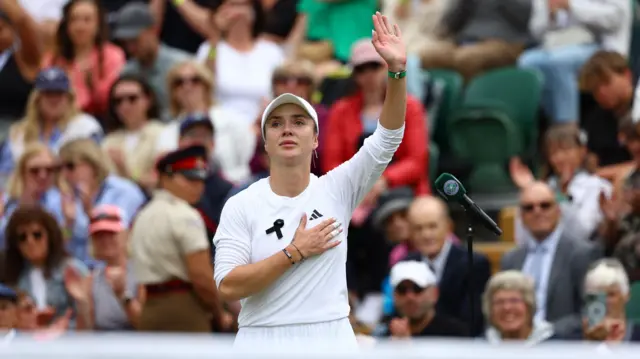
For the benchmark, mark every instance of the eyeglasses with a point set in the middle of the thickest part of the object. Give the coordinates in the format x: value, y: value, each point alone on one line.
x: 298, y: 80
x: 529, y: 207
x: 37, y: 170
x: 403, y: 289
x: 194, y: 80
x: 23, y: 237
x: 506, y: 301
x: 131, y: 99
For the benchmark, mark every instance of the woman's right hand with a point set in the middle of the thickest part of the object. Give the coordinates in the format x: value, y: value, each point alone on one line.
x: 521, y: 175
x: 318, y: 239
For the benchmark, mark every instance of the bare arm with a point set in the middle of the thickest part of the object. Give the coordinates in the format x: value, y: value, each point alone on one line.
x: 196, y: 16
x: 133, y: 307
x: 200, y: 273
x: 297, y: 35
x: 30, y: 51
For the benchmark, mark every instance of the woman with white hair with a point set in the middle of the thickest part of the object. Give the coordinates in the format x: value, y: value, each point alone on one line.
x: 608, y: 278
x: 509, y: 306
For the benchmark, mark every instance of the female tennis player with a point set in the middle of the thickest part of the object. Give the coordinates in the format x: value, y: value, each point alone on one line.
x: 280, y: 245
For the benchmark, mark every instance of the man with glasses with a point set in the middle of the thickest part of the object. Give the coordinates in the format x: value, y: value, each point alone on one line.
x: 556, y: 262
x: 171, y: 250
x: 415, y: 293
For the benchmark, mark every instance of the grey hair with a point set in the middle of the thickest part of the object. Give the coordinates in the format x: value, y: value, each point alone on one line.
x: 509, y: 280
x: 607, y: 272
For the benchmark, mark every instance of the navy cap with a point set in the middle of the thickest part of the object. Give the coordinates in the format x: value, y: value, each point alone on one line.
x: 52, y: 79
x: 8, y: 293
x: 195, y: 119
x: 190, y: 161
x: 131, y: 20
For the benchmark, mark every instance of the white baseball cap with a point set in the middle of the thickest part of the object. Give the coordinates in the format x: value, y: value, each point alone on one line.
x: 417, y: 272
x: 286, y: 98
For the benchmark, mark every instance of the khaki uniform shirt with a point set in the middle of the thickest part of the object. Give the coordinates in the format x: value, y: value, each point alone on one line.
x: 166, y: 230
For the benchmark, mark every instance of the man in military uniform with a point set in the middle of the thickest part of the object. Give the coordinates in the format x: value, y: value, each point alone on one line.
x: 171, y: 250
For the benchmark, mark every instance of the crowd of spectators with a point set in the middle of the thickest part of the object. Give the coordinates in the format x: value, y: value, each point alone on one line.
x: 93, y: 92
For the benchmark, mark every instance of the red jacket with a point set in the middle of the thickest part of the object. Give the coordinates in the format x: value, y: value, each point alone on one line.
x: 410, y: 163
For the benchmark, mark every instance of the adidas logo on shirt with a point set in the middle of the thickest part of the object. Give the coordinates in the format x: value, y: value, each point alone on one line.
x: 315, y: 215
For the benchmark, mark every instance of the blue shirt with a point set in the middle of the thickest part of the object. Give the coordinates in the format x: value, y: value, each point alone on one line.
x: 538, y: 264
x: 122, y: 193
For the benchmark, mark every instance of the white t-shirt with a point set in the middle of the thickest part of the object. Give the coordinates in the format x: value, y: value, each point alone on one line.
x: 315, y: 290
x: 243, y: 79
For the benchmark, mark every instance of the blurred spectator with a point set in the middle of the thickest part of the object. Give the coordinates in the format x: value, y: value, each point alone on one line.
x: 116, y: 298
x: 9, y: 318
x: 20, y: 57
x: 171, y: 251
x: 607, y: 278
x: 415, y: 293
x: 83, y: 50
x: 241, y: 60
x: 183, y: 24
x: 191, y: 87
x: 131, y: 146
x: 199, y: 130
x: 36, y: 263
x: 325, y: 30
x: 577, y: 190
x: 27, y: 312
x: 431, y: 228
x: 298, y: 77
x: 509, y: 306
x: 280, y: 18
x: 137, y: 29
x: 36, y: 180
x: 50, y: 117
x: 390, y: 217
x: 608, y: 78
x: 355, y: 117
x: 569, y: 33
x: 480, y: 36
x: 85, y: 168
x: 418, y: 21
x: 556, y: 261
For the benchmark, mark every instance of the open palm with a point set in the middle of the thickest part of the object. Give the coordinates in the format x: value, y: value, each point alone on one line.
x: 387, y: 39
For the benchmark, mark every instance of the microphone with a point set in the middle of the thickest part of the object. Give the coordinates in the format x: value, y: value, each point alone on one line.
x: 451, y: 189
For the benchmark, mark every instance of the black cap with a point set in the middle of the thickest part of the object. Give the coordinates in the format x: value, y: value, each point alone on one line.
x: 390, y: 202
x: 190, y: 161
x: 8, y: 293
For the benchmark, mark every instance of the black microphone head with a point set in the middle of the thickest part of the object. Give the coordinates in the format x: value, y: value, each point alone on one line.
x: 450, y: 188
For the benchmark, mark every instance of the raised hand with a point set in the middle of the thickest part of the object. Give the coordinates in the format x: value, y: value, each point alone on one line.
x: 78, y: 287
x: 520, y: 174
x: 316, y: 240
x: 387, y: 39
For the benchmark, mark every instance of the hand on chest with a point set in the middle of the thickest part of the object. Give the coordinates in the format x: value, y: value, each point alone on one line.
x: 275, y: 230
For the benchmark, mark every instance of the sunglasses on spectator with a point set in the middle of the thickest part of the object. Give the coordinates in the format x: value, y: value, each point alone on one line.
x: 105, y: 217
x: 403, y: 289
x: 194, y: 80
x: 70, y: 166
x: 37, y: 235
x: 119, y: 100
x: 299, y: 80
x: 37, y: 170
x: 504, y: 301
x: 529, y: 207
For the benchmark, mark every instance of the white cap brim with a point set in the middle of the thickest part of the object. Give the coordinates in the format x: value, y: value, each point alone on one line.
x: 288, y: 98
x: 414, y: 271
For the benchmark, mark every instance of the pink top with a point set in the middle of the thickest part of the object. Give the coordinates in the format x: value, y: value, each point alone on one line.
x: 95, y: 100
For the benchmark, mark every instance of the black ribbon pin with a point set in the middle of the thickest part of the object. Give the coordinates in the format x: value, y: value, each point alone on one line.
x: 277, y: 226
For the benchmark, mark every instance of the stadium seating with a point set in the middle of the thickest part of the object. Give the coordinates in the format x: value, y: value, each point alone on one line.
x: 633, y: 306
x: 451, y: 85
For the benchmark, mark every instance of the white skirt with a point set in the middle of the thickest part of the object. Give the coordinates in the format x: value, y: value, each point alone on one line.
x: 338, y: 333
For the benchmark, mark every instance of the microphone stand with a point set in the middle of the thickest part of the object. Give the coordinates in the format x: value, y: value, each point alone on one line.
x: 471, y: 289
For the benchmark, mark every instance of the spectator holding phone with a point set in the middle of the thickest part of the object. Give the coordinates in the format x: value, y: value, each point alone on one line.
x: 606, y: 288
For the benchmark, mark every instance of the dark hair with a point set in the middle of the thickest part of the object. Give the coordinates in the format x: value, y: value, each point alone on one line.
x: 153, y: 112
x: 568, y: 134
x: 259, y: 19
x: 599, y: 68
x: 64, y: 46
x: 14, y: 262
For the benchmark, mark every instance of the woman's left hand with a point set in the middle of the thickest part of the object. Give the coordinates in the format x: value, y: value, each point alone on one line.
x: 77, y: 285
x: 387, y: 39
